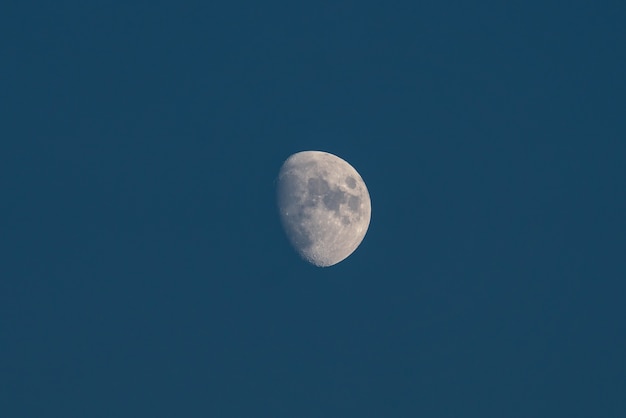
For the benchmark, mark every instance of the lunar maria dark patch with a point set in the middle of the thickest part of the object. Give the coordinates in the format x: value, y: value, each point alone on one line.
x: 354, y: 203
x: 318, y: 186
x: 333, y: 200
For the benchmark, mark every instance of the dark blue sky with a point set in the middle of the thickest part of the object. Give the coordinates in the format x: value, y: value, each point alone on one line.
x: 144, y: 271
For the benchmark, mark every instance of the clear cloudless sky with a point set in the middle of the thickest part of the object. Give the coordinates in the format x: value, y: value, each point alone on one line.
x: 143, y: 269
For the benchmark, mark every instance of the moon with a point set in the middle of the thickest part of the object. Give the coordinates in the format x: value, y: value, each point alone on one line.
x: 324, y: 206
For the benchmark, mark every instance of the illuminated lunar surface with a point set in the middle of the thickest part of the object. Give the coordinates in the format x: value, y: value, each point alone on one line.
x: 324, y: 206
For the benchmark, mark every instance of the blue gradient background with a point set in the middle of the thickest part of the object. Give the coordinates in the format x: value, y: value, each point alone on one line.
x: 143, y: 271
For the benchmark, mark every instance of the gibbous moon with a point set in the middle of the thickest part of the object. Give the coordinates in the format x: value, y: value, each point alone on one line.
x: 324, y: 206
